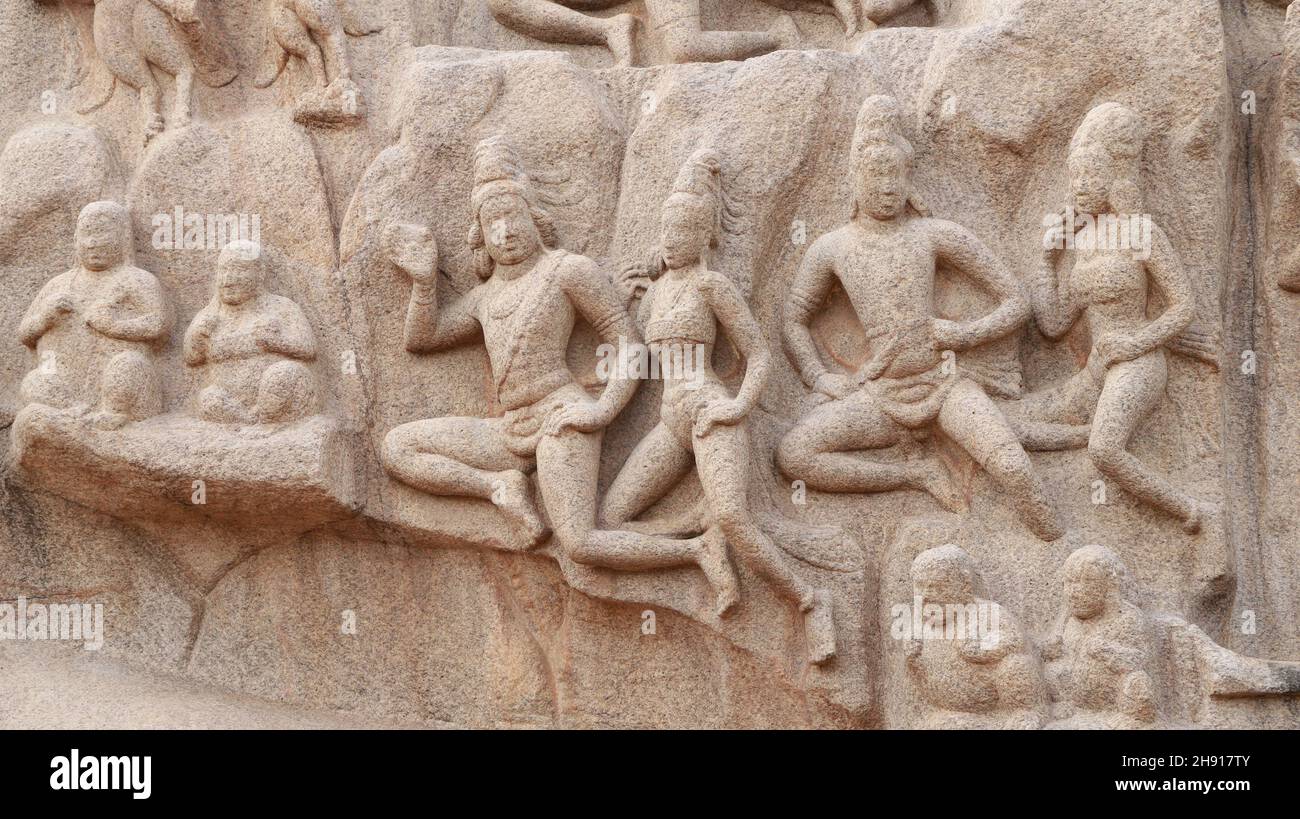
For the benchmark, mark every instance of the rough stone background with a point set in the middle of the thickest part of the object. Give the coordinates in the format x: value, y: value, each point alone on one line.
x: 992, y: 91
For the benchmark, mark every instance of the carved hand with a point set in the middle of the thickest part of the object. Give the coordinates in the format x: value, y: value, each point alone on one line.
x: 632, y: 282
x: 267, y: 334
x: 64, y: 304
x: 581, y: 415
x: 1111, y: 350
x: 950, y: 335
x: 205, y: 326
x: 727, y: 412
x: 413, y: 249
x: 835, y: 385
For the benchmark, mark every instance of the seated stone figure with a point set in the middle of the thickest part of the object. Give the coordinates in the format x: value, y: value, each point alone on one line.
x: 253, y: 346
x: 1098, y: 662
x: 886, y: 259
x: 94, y: 328
x: 976, y: 670
x: 531, y: 297
x: 677, y: 21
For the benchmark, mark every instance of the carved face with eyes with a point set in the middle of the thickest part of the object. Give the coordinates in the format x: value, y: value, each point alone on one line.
x: 1091, y: 175
x: 101, y: 239
x: 239, y: 278
x: 509, y: 232
x: 942, y: 579
x: 881, y: 174
x: 1087, y: 586
x: 685, y: 230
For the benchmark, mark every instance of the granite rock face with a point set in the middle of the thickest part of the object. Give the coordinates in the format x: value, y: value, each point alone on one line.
x: 662, y: 363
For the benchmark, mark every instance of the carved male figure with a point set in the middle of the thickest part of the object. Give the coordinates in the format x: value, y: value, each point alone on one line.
x: 1099, y: 657
x: 94, y: 328
x: 677, y: 21
x: 885, y: 258
x: 253, y: 346
x: 1110, y: 287
x: 974, y: 669
x: 525, y: 310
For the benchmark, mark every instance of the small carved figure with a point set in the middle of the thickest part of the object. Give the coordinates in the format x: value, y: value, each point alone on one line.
x: 253, y: 346
x: 94, y: 328
x: 315, y: 31
x: 971, y: 663
x: 525, y: 309
x: 1110, y: 287
x: 701, y: 424
x: 1098, y: 660
x: 677, y: 21
x: 133, y: 37
x: 885, y: 258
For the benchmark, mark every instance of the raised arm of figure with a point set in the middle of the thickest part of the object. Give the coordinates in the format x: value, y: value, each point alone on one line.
x: 414, y: 251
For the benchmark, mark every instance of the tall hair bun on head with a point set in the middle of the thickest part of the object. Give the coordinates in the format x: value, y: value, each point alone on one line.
x: 880, y: 123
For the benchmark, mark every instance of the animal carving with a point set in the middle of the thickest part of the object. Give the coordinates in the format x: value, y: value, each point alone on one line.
x: 132, y: 38
x: 315, y: 32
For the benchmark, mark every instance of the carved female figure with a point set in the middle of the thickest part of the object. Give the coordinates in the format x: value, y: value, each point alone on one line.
x: 701, y: 424
x: 1110, y: 286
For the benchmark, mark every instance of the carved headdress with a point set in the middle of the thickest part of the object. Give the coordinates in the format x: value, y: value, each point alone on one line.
x: 880, y: 124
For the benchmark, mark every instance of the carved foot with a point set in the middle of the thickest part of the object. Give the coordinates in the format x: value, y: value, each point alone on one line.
x: 1192, y: 523
x: 819, y: 627
x: 514, y: 498
x: 934, y: 479
x: 717, y: 569
x: 335, y: 105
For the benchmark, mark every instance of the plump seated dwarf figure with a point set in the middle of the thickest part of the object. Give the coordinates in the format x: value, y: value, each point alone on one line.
x: 253, y: 346
x: 94, y: 328
x: 972, y: 664
x: 1098, y: 660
